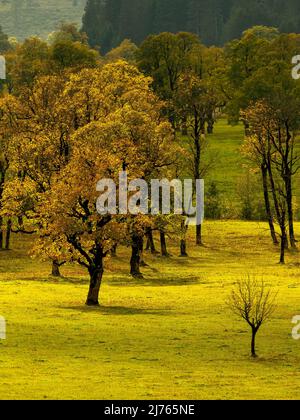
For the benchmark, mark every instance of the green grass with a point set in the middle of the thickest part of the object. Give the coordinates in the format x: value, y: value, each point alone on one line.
x: 229, y: 170
x: 226, y: 164
x: 170, y: 335
x: 224, y: 146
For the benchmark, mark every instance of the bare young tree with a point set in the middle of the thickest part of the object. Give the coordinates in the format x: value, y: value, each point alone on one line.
x: 254, y: 302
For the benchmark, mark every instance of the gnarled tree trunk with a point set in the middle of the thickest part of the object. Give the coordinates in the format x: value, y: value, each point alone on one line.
x: 96, y: 274
x: 183, y: 252
x: 55, y: 269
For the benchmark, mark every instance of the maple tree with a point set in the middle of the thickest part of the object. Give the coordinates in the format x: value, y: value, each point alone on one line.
x: 71, y: 133
x: 38, y: 148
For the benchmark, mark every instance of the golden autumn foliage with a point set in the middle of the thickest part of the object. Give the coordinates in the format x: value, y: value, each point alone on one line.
x: 66, y: 135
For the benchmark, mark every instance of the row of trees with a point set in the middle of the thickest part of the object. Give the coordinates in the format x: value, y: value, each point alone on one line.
x: 186, y: 75
x: 70, y: 118
x: 271, y: 114
x: 249, y: 80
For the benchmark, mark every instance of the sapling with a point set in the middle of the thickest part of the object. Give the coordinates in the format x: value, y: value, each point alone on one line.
x: 254, y: 302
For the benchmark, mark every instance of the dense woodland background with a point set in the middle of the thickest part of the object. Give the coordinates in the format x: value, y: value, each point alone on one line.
x: 108, y: 22
x: 215, y: 21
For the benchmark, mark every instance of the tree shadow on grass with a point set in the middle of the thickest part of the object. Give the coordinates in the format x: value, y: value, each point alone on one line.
x: 117, y: 310
x: 56, y: 280
x: 163, y: 281
x: 176, y: 260
x: 151, y: 279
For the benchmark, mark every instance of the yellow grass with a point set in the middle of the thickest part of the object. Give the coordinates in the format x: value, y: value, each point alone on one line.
x: 167, y: 336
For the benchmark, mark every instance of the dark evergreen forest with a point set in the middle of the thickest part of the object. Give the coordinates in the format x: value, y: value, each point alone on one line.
x: 108, y: 22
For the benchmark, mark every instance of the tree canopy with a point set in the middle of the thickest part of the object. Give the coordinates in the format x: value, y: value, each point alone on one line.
x: 108, y: 23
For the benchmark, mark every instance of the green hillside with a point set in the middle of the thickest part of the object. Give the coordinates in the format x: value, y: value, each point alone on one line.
x: 24, y: 18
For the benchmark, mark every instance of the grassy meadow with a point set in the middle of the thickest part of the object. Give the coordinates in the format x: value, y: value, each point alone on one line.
x: 168, y: 336
x: 229, y: 170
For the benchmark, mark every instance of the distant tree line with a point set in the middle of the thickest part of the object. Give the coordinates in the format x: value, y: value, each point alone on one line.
x: 109, y: 22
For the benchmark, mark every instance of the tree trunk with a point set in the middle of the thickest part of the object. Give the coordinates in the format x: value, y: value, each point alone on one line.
x: 2, y: 182
x: 142, y: 261
x: 280, y: 215
x: 289, y: 199
x: 210, y: 125
x: 96, y: 275
x: 135, y: 257
x: 197, y: 164
x: 1, y: 232
x: 199, y: 235
x: 8, y: 234
x: 202, y: 126
x: 163, y: 244
x: 55, y: 269
x: 283, y: 244
x: 253, y: 350
x: 150, y: 242
x: 20, y: 222
x: 264, y: 171
x: 184, y: 229
x: 210, y: 128
x: 183, y: 252
x: 274, y: 193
